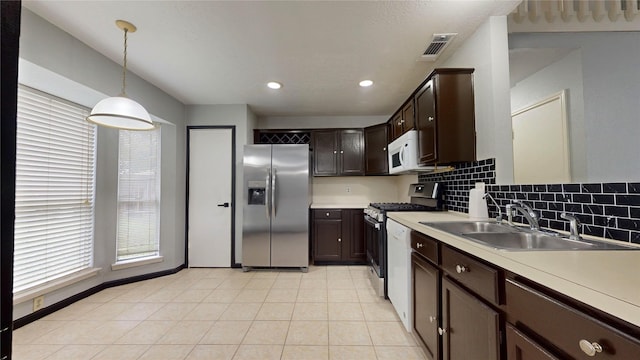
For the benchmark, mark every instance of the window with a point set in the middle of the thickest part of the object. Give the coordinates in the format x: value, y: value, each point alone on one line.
x: 55, y: 185
x: 138, y: 194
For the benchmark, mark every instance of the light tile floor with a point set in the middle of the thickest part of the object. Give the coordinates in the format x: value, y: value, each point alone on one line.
x: 331, y: 312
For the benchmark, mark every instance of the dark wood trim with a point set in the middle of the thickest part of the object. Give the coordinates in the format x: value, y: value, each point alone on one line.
x: 10, y: 35
x: 18, y: 323
x: 233, y: 262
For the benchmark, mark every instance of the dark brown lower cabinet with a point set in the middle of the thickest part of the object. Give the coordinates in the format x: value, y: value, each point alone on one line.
x: 562, y: 326
x: 356, y: 250
x: 521, y: 347
x: 338, y: 236
x: 426, y: 298
x: 327, y: 235
x: 470, y: 329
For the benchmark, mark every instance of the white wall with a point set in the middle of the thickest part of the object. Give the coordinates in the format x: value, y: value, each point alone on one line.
x: 55, y: 62
x: 362, y: 190
x: 564, y: 74
x: 611, y: 84
x: 242, y: 118
x: 311, y: 122
x: 488, y: 53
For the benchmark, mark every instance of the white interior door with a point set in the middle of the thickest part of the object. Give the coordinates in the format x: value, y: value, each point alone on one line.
x: 541, y: 142
x: 210, y: 176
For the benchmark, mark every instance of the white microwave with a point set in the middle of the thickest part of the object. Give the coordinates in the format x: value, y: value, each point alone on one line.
x: 403, y: 154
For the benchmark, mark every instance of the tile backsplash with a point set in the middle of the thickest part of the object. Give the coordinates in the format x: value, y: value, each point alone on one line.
x: 609, y: 210
x: 459, y: 181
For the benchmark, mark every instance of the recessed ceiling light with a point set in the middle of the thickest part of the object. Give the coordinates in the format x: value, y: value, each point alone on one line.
x: 366, y: 83
x: 274, y: 85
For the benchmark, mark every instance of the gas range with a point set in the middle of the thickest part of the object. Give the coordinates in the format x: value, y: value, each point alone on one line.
x: 379, y: 210
x: 424, y: 197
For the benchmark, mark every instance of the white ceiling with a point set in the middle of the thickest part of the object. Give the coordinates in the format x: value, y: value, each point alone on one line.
x: 224, y: 52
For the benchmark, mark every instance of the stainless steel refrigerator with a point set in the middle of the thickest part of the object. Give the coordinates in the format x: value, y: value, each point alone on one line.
x: 277, y: 195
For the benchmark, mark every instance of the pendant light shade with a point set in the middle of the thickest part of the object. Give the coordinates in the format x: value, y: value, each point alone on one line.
x: 120, y: 112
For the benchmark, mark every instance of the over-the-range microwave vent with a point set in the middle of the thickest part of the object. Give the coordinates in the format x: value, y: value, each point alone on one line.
x: 437, y: 45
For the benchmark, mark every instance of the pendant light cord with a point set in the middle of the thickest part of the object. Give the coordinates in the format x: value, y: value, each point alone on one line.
x: 124, y: 67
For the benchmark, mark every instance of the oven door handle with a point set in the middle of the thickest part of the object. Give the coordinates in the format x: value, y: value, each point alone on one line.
x: 370, y: 221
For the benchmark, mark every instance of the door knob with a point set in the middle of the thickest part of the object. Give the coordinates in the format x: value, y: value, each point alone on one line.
x: 224, y: 204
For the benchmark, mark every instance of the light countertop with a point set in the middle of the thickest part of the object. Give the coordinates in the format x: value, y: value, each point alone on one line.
x: 608, y: 280
x: 339, y: 206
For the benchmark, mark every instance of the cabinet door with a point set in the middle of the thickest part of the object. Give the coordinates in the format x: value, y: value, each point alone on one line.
x: 470, y: 329
x: 454, y: 116
x: 396, y: 125
x: 375, y: 147
x: 521, y: 347
x: 426, y: 295
x: 426, y: 123
x: 325, y: 153
x: 352, y: 152
x: 327, y: 240
x: 353, y: 241
x: 408, y: 116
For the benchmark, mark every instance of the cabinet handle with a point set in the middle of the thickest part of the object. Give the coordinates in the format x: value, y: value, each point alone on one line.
x: 335, y: 152
x: 430, y: 118
x: 589, y: 348
x: 339, y: 240
x: 419, y: 245
x: 327, y: 214
x: 432, y: 318
x: 384, y: 149
x: 461, y: 269
x: 441, y: 331
x: 402, y: 121
x: 341, y: 151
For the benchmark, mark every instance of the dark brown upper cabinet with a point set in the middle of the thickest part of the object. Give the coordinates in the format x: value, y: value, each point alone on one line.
x: 403, y: 120
x: 376, y: 160
x: 445, y: 118
x: 338, y: 152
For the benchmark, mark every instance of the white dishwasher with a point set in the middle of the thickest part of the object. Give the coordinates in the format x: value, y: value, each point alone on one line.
x: 399, y: 287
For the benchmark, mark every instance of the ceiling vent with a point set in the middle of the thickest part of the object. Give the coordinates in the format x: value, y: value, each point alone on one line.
x: 438, y: 43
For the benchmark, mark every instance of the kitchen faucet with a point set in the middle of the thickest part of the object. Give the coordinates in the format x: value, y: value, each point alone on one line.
x: 499, y: 216
x: 526, y: 211
x: 574, y: 226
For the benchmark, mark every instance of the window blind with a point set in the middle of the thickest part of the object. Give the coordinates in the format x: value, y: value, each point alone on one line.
x: 55, y: 185
x: 138, y: 194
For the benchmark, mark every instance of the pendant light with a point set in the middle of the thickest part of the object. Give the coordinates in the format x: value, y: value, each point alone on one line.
x: 120, y: 112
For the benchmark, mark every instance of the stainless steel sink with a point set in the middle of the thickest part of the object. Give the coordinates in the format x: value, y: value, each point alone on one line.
x: 463, y: 227
x: 510, y: 238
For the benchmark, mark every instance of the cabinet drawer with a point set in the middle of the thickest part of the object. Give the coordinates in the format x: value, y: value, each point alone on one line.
x: 483, y: 279
x: 327, y: 214
x: 425, y: 246
x: 565, y: 327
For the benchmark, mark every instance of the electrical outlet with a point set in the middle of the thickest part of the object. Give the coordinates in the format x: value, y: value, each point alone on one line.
x: 348, y: 188
x: 38, y: 303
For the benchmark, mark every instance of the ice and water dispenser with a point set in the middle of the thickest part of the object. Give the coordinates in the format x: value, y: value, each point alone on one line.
x: 257, y: 192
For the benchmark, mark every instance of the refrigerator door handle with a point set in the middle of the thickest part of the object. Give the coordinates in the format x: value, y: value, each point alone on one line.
x: 267, y: 197
x: 273, y: 192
